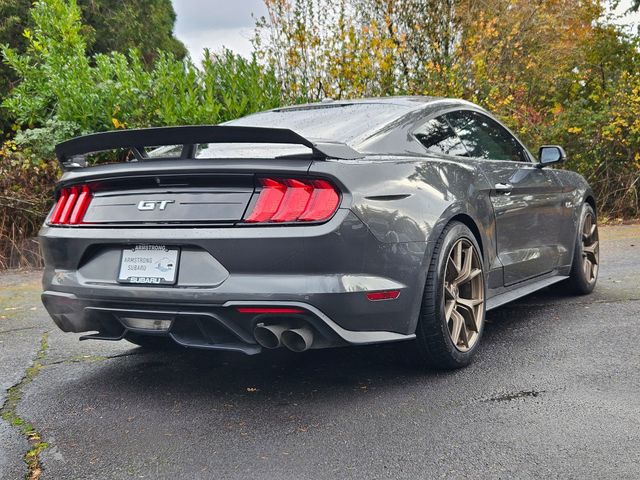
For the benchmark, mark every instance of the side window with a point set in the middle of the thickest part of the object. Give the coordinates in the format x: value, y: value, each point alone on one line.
x: 485, y: 138
x: 438, y: 137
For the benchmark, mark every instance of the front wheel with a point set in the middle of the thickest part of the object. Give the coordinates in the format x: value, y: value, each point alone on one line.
x: 453, y: 306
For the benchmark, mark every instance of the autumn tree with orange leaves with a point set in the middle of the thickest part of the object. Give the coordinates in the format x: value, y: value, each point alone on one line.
x: 556, y: 71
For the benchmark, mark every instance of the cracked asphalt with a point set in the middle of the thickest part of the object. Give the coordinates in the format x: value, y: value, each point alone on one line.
x: 554, y: 393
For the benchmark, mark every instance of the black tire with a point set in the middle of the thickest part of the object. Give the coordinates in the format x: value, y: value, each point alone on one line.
x: 151, y: 342
x: 433, y: 346
x: 587, y: 246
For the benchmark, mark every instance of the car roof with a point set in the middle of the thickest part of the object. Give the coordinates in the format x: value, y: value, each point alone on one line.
x: 409, y: 102
x: 350, y: 121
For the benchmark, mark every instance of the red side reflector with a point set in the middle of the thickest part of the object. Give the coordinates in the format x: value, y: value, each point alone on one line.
x: 386, y: 295
x: 269, y: 200
x: 294, y: 202
x: 62, y: 201
x: 269, y: 310
x: 84, y: 199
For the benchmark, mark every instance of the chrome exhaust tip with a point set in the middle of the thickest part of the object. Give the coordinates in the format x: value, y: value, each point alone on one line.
x: 297, y: 339
x: 269, y: 336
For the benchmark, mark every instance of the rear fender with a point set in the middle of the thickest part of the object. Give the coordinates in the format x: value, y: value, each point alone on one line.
x: 408, y: 201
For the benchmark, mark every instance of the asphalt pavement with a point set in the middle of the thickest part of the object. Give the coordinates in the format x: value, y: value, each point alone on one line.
x: 554, y: 393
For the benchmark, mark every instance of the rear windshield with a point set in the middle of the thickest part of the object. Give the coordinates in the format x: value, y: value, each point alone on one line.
x: 338, y: 122
x: 249, y: 150
x: 348, y: 123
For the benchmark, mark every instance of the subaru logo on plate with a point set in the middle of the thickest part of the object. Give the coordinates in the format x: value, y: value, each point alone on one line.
x: 152, y: 204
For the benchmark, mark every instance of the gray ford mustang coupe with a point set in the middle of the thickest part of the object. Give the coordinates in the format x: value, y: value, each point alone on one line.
x: 338, y: 223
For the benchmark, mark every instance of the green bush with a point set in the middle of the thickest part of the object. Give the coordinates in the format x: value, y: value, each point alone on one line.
x: 26, y: 186
x: 61, y: 83
x: 64, y: 92
x: 38, y: 144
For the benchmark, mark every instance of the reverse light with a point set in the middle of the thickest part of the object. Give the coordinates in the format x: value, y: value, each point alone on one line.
x: 71, y: 206
x: 147, y: 323
x: 294, y: 200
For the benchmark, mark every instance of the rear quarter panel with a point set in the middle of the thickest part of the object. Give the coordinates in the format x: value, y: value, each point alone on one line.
x: 407, y: 202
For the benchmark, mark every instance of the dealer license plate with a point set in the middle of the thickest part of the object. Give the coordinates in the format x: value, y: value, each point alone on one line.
x: 149, y: 264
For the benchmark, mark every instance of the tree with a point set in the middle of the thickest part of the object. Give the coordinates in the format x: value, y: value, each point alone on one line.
x: 120, y: 25
x: 423, y: 35
x: 14, y: 18
x: 108, y: 25
x: 65, y: 91
x: 554, y: 70
x: 347, y: 48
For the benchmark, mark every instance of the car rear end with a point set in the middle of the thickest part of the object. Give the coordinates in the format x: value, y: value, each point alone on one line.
x: 231, y: 254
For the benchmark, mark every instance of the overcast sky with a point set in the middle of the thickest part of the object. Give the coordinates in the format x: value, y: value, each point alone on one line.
x: 216, y: 23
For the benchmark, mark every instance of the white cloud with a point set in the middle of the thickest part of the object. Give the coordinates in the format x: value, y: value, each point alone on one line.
x: 236, y: 39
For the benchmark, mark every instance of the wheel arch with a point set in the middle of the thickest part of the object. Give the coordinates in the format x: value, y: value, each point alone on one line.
x: 468, y: 221
x: 590, y: 199
x: 472, y: 209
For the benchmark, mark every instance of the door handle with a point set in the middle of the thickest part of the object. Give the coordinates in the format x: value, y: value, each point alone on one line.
x: 503, y: 188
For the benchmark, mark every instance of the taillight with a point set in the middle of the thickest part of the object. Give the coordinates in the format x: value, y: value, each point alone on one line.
x: 71, y: 205
x: 84, y: 199
x: 62, y: 201
x: 269, y: 200
x: 294, y: 200
x: 323, y: 201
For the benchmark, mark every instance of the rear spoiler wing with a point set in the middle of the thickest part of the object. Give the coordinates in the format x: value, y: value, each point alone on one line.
x: 71, y: 154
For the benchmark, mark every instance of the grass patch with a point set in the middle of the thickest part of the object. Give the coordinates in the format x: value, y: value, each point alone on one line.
x: 8, y: 412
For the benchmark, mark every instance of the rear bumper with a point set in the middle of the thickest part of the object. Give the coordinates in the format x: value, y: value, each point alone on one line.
x: 215, y: 327
x: 326, y: 269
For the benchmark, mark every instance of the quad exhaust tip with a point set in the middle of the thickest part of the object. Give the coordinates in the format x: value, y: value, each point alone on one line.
x: 274, y: 336
x: 269, y: 336
x: 297, y: 339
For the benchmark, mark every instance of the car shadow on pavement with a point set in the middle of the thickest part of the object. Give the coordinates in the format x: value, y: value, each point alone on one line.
x: 283, y: 376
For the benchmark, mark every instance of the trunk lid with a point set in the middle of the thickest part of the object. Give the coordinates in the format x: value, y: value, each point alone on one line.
x: 195, y: 192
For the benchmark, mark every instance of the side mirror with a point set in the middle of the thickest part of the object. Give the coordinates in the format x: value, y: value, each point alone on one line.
x: 550, y: 154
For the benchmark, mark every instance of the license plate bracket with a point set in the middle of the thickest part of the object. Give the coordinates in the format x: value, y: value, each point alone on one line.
x: 149, y: 265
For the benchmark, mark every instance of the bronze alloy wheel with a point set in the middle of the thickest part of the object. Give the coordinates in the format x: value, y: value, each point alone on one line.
x: 590, y: 248
x: 464, y: 295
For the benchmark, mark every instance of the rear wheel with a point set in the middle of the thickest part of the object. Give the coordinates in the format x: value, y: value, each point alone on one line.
x: 151, y: 342
x: 586, y: 256
x: 453, y: 306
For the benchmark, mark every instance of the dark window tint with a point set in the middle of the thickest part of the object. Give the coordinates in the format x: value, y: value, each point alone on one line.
x: 438, y: 137
x: 485, y: 138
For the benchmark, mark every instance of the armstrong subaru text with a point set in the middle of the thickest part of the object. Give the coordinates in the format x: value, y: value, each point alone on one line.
x: 399, y: 219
